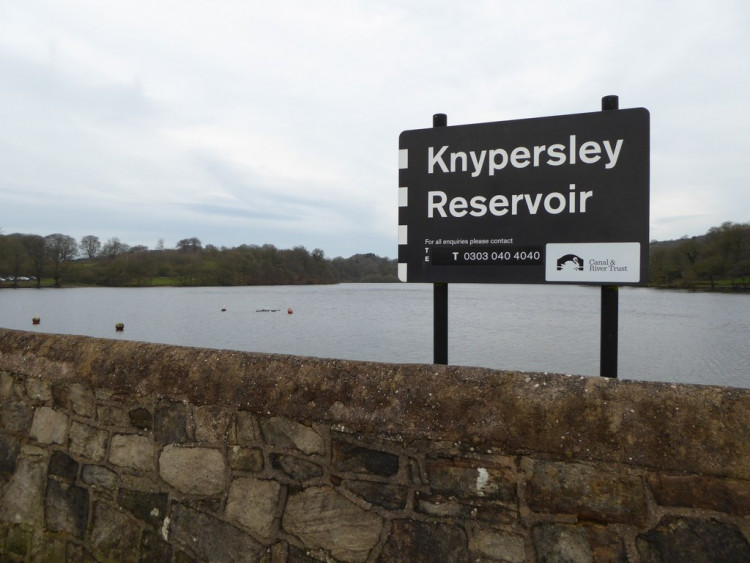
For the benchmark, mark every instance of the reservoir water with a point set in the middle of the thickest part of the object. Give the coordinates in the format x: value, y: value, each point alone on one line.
x: 664, y: 335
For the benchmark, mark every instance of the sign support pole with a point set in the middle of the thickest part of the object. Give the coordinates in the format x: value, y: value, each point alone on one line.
x: 440, y: 294
x: 609, y: 300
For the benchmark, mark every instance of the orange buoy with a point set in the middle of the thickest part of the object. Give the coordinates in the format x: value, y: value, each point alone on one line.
x: 289, y: 311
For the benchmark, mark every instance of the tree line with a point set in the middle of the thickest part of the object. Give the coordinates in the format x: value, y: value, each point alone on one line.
x: 719, y: 259
x: 58, y: 259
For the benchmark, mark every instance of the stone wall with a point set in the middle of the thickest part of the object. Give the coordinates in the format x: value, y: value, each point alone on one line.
x: 124, y: 451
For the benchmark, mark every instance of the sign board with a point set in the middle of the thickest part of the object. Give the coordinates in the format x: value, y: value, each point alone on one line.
x: 561, y: 199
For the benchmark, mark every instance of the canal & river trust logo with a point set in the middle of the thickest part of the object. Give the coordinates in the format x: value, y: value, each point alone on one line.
x: 617, y: 262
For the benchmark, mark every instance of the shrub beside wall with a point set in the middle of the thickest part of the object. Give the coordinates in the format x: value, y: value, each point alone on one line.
x: 113, y: 450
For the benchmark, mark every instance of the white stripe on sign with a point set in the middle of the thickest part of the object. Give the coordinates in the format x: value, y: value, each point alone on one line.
x: 403, y: 159
x: 403, y: 197
x: 402, y: 232
x: 402, y: 271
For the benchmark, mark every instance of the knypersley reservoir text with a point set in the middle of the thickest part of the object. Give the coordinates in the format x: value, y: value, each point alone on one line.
x: 440, y: 160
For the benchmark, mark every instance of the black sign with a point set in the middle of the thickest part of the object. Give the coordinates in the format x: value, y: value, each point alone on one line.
x: 561, y: 199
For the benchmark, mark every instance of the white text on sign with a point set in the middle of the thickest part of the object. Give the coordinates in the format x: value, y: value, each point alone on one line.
x: 493, y: 160
x: 499, y: 205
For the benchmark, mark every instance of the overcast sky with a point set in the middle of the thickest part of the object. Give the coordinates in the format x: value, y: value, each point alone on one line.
x: 247, y: 122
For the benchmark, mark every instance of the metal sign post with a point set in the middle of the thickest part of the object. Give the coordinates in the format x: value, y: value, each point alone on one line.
x: 440, y: 295
x: 610, y: 301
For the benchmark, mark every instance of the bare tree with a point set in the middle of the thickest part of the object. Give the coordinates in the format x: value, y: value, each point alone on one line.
x: 15, y: 254
x: 60, y: 250
x: 90, y: 246
x: 190, y: 244
x: 35, y: 249
x: 113, y: 247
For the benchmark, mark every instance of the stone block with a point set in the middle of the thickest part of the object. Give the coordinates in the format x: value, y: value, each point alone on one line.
x: 471, y: 479
x: 245, y: 459
x: 444, y: 509
x: 295, y: 467
x: 254, y: 504
x: 697, y: 491
x: 6, y: 386
x: 566, y: 542
x: 148, y: 483
x: 16, y: 417
x: 170, y: 423
x: 88, y: 441
x: 38, y: 390
x: 141, y: 418
x: 23, y: 500
x: 247, y: 429
x: 209, y: 538
x: 10, y: 447
x: 211, y: 505
x: 497, y: 513
x: 154, y: 548
x: 194, y: 471
x: 18, y: 541
x: 78, y: 553
x: 146, y: 507
x: 492, y: 513
x: 323, y: 519
x: 390, y: 496
x: 32, y: 451
x: 586, y: 492
x: 66, y: 508
x: 113, y: 415
x: 81, y: 400
x: 676, y: 540
x: 425, y: 542
x: 498, y: 545
x: 561, y: 543
x: 285, y: 433
x: 132, y: 451
x: 47, y: 547
x: 49, y: 426
x: 102, y: 394
x: 212, y: 424
x: 76, y: 397
x: 114, y: 535
x: 4, y: 527
x: 296, y: 555
x: 352, y: 458
x: 98, y: 476
x: 62, y: 466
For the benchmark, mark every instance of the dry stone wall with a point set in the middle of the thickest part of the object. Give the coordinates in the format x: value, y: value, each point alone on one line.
x: 124, y: 451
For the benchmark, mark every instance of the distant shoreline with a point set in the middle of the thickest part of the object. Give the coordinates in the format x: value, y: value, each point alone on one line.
x: 703, y: 288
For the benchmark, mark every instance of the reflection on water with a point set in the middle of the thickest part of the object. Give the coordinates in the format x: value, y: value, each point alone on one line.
x: 664, y: 335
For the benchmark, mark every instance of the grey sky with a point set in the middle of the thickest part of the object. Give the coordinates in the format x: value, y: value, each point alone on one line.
x: 277, y: 122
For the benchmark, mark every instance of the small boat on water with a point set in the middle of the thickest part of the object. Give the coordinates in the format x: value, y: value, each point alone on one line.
x: 264, y: 310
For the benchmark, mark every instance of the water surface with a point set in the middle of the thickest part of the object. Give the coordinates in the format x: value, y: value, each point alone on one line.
x: 664, y: 335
